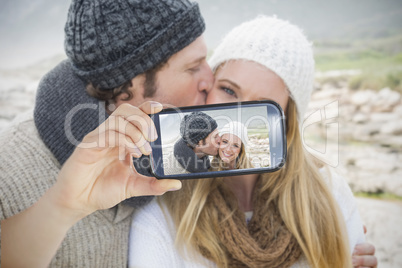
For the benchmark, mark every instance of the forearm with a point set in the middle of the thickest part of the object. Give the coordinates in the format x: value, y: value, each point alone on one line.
x: 32, y: 237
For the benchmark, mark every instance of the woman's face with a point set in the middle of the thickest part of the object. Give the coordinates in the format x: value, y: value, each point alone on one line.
x: 229, y: 148
x: 240, y: 80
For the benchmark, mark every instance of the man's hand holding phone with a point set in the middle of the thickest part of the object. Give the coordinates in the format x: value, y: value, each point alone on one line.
x: 100, y: 174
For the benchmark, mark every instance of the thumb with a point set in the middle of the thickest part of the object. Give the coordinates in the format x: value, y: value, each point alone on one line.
x: 143, y: 185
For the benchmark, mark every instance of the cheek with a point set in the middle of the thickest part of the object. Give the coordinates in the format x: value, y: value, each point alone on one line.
x: 216, y: 96
x: 211, y: 97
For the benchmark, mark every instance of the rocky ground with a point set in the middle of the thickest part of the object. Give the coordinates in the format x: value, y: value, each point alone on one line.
x: 383, y: 220
x: 358, y: 133
x: 362, y: 131
x: 368, y: 135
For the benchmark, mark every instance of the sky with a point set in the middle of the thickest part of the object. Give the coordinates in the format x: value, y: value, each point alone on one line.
x: 34, y: 30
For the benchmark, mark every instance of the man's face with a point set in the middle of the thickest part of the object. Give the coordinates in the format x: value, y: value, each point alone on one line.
x: 212, y: 142
x: 186, y: 78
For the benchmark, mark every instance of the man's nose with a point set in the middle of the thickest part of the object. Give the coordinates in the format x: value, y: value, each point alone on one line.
x: 207, y: 79
x: 218, y: 140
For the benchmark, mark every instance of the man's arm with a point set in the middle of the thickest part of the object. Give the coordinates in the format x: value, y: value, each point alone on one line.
x: 363, y: 256
x: 91, y: 179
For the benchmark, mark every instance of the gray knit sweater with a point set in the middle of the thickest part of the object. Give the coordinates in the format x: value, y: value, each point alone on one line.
x: 27, y: 170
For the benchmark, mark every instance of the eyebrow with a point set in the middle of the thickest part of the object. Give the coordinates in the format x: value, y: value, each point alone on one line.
x: 230, y: 82
x: 198, y: 60
x: 238, y: 87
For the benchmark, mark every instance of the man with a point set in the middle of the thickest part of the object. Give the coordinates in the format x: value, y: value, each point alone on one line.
x: 65, y: 169
x: 61, y: 169
x: 199, y: 139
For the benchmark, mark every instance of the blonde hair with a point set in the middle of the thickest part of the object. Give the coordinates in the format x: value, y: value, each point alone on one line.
x: 302, y: 196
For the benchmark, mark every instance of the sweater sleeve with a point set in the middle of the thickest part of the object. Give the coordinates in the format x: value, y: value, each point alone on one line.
x: 348, y: 206
x: 27, y: 168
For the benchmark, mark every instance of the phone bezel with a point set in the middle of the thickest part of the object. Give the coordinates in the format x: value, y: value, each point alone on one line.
x: 272, y: 108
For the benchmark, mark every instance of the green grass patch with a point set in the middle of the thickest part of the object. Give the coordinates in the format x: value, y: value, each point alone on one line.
x: 381, y: 195
x: 377, y: 71
x: 364, y: 60
x: 379, y: 60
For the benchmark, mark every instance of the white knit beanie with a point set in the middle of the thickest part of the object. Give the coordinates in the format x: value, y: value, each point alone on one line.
x: 235, y: 128
x: 277, y: 45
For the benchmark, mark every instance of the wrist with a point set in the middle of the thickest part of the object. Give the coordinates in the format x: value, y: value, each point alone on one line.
x: 60, y: 209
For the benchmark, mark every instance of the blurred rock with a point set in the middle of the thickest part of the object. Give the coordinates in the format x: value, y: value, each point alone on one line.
x: 383, y: 117
x: 362, y: 97
x: 360, y: 118
x: 326, y: 93
x: 393, y: 183
x: 366, y: 131
x: 392, y: 127
x: 391, y: 141
x: 398, y: 110
x: 386, y: 99
x: 377, y: 165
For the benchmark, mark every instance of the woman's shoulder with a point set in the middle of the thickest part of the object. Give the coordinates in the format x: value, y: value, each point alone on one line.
x: 348, y: 206
x: 341, y: 191
x: 338, y: 185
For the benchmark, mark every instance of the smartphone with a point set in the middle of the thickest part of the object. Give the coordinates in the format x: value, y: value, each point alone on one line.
x: 218, y: 140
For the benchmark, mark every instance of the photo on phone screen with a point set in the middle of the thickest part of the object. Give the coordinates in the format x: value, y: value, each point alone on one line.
x: 225, y: 139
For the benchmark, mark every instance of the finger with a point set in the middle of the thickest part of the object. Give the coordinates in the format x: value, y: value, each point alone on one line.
x: 111, y: 137
x: 364, y: 261
x: 133, y: 135
x: 127, y: 147
x: 153, y: 186
x: 138, y: 118
x: 151, y: 107
x: 364, y: 229
x: 364, y: 249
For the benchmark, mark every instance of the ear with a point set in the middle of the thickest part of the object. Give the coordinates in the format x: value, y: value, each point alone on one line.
x: 137, y: 91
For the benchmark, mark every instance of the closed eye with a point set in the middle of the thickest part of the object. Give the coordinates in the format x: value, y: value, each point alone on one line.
x: 194, y: 69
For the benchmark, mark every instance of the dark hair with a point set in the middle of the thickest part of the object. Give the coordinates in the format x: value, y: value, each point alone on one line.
x: 109, y: 95
x: 193, y: 145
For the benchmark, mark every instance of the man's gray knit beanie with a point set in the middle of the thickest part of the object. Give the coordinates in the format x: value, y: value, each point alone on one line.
x: 111, y: 42
x: 196, y: 126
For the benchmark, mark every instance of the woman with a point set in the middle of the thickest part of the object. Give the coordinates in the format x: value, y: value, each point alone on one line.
x: 232, y: 148
x: 301, y: 215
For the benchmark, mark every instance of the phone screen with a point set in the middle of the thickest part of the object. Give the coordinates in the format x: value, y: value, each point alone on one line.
x: 219, y: 140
